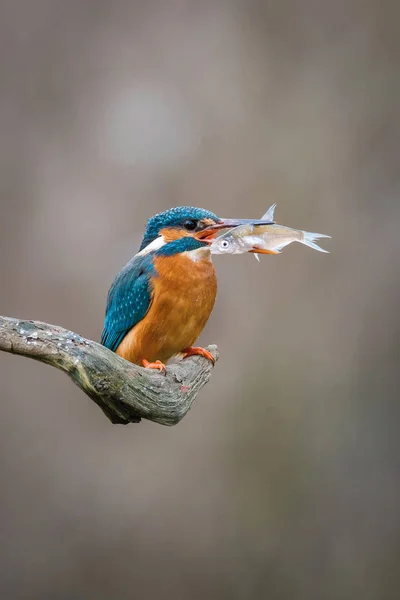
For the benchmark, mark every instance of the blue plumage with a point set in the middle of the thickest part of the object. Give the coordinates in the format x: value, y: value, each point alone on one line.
x: 173, y: 218
x: 184, y: 244
x: 130, y: 295
x: 128, y: 300
x: 183, y: 291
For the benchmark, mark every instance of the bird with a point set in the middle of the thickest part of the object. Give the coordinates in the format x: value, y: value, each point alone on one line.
x: 160, y: 301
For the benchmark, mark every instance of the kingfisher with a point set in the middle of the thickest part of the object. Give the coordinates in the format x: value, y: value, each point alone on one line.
x: 159, y: 303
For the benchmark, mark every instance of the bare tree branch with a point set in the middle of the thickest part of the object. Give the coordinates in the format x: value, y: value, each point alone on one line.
x: 125, y: 392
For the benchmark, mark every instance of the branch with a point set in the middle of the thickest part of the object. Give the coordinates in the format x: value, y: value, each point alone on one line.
x: 125, y: 392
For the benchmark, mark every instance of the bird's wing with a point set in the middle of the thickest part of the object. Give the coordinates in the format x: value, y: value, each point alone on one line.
x: 128, y: 301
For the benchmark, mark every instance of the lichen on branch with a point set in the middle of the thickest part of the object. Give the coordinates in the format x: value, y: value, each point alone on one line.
x: 125, y: 392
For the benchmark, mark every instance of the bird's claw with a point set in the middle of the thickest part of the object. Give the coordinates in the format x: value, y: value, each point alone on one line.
x: 195, y: 351
x: 154, y: 365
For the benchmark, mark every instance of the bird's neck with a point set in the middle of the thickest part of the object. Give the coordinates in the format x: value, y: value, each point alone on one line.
x: 193, y: 266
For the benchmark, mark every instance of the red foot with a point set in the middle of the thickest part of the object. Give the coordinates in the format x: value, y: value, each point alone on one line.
x: 198, y: 351
x: 154, y: 365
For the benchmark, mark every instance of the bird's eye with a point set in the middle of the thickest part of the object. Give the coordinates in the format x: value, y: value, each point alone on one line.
x: 190, y: 224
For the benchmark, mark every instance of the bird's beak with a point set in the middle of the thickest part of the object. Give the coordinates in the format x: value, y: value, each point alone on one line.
x: 211, y: 231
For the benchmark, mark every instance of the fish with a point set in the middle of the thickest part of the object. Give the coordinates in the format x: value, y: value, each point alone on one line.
x: 264, y: 239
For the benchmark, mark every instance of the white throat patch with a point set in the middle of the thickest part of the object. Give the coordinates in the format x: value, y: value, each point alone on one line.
x: 199, y: 254
x: 154, y: 245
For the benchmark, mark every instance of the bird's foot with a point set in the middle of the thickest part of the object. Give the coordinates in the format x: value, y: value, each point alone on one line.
x: 154, y: 365
x: 193, y: 351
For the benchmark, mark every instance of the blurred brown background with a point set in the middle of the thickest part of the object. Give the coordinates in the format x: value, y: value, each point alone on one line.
x: 283, y: 481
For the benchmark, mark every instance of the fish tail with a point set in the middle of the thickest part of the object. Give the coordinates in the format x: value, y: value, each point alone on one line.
x: 310, y: 238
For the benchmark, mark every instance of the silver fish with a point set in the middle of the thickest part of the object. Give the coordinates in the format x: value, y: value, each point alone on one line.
x: 263, y: 239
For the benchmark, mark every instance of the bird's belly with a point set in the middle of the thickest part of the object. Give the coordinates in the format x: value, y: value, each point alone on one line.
x: 184, y: 296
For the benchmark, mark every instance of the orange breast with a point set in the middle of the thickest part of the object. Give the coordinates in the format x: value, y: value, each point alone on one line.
x: 184, y: 296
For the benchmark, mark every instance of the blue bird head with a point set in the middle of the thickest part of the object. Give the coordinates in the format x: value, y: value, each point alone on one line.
x: 187, y: 222
x: 184, y: 220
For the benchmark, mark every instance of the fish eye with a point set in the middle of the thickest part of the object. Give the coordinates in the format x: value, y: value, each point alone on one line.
x: 224, y: 244
x: 190, y: 224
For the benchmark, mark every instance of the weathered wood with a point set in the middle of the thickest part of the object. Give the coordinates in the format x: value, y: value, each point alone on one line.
x: 125, y: 392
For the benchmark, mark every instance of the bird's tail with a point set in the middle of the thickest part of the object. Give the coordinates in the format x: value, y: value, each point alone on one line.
x: 309, y: 240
